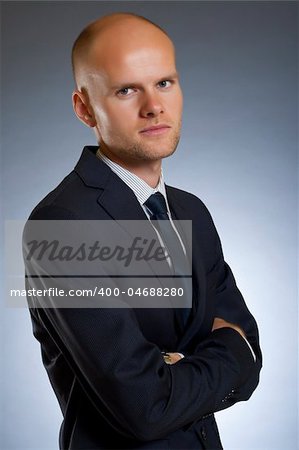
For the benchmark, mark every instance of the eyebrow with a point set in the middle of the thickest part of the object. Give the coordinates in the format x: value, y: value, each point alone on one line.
x: 123, y: 85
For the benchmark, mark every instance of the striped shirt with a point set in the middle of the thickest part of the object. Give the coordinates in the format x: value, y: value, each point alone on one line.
x: 140, y: 188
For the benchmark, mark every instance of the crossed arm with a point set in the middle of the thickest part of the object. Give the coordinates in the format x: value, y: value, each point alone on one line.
x: 126, y: 378
x: 172, y: 358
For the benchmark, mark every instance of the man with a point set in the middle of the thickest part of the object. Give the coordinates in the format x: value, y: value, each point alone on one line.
x: 115, y: 388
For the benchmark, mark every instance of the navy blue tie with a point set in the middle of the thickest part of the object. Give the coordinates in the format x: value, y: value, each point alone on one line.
x: 157, y: 206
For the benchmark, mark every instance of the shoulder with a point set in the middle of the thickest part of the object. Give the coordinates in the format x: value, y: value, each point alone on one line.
x: 179, y: 194
x: 75, y: 197
x: 53, y: 203
x: 68, y: 200
x: 188, y: 201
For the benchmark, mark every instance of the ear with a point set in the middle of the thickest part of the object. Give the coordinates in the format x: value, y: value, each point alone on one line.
x: 82, y: 111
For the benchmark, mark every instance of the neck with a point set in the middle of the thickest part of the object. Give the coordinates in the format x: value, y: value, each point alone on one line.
x: 149, y: 171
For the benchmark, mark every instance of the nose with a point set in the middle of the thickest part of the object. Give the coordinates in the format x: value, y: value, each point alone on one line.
x: 151, y: 105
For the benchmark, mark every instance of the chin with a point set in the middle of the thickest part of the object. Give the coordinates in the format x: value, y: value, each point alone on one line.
x: 156, y: 156
x: 167, y: 153
x: 160, y: 152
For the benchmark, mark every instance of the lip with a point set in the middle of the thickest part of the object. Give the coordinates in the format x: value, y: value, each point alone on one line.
x: 155, y: 129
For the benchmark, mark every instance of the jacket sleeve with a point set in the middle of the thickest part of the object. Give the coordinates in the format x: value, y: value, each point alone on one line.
x: 125, y: 375
x: 228, y: 303
x: 127, y: 379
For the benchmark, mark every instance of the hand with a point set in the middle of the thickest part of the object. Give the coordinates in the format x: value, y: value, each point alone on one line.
x: 221, y: 323
x: 171, y: 358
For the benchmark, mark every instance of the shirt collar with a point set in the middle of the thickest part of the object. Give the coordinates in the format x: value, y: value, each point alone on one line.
x: 140, y: 188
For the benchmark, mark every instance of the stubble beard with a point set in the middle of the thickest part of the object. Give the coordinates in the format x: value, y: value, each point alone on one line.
x: 151, y: 151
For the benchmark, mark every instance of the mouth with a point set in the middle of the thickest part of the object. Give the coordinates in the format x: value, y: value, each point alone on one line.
x: 155, y: 130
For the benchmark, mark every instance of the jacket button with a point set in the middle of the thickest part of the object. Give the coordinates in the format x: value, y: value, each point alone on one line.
x: 203, y: 433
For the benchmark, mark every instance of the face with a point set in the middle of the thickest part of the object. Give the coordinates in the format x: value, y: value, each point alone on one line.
x: 135, y: 98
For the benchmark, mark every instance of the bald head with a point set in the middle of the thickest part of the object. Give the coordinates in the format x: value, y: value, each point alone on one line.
x: 127, y: 82
x: 108, y: 32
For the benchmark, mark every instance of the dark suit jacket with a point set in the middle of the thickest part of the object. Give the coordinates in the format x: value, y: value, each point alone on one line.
x: 105, y: 365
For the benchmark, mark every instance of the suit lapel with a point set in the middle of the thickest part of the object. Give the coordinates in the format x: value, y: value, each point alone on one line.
x: 179, y: 212
x: 117, y: 199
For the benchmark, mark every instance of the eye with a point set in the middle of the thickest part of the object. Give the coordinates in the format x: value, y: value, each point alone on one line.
x: 164, y: 83
x: 124, y: 92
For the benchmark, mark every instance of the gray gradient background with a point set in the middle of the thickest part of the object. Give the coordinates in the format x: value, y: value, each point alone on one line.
x: 238, y: 66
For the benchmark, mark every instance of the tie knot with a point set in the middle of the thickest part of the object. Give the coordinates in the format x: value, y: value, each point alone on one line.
x: 157, y: 205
